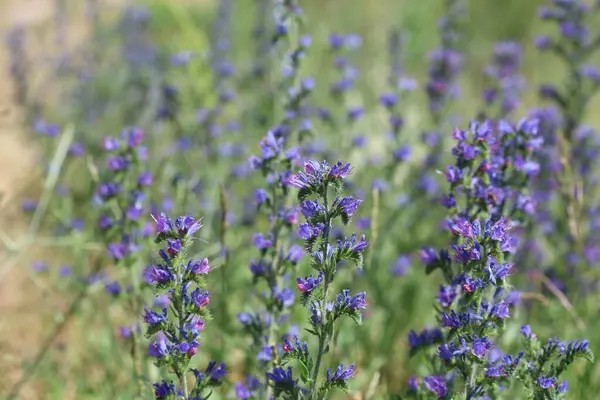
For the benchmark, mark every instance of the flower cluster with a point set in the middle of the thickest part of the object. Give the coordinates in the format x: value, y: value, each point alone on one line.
x: 316, y: 181
x: 176, y: 329
x: 276, y: 257
x: 122, y: 194
x: 488, y: 181
x: 575, y: 45
x: 506, y: 84
x: 445, y: 62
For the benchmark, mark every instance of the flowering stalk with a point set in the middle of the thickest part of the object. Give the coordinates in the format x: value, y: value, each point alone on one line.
x: 488, y: 182
x: 317, y: 181
x: 176, y: 329
x: 502, y: 95
x: 445, y: 62
x: 122, y: 196
x: 277, y: 258
x: 575, y: 46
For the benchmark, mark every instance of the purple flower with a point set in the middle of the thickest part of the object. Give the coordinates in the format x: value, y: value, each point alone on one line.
x: 413, y: 383
x: 546, y: 383
x: 134, y: 136
x: 215, y: 373
x: 39, y: 266
x: 163, y: 224
x: 497, y: 271
x: 428, y: 256
x: 259, y: 269
x: 295, y: 254
x: 347, y: 205
x: 481, y: 346
x: 453, y: 174
x: 261, y: 243
x: 265, y: 354
x: 113, y: 288
x: 161, y: 301
x: 157, y: 275
x: 117, y: 163
x: 173, y: 247
x: 355, y: 113
x: 199, y: 267
x: 462, y: 227
x: 341, y: 375
x: 153, y: 319
x: 500, y: 310
x: 145, y: 179
x: 117, y: 250
x: 282, y: 378
x: 260, y: 197
x: 388, y: 100
x: 352, y: 303
x: 526, y: 331
x: 285, y: 297
x: 451, y: 320
x: 436, y: 384
x: 108, y: 190
x: 160, y: 348
x: 496, y: 371
x: 563, y: 387
x: 401, y: 265
x: 200, y: 298
x: 187, y: 225
x: 164, y: 390
x: 306, y: 285
x: 402, y: 154
x: 426, y: 337
x: 110, y: 144
x: 446, y: 296
x: 339, y: 171
x: 310, y: 208
x: 242, y: 392
x: 306, y: 231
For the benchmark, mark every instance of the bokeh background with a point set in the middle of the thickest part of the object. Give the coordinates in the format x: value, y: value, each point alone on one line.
x: 80, y: 362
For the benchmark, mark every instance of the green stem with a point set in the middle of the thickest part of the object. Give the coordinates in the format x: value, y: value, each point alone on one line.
x: 323, y: 336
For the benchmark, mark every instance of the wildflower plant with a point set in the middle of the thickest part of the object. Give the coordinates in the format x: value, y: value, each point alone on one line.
x: 277, y: 254
x: 575, y: 45
x: 502, y: 94
x: 315, y: 183
x: 176, y: 329
x: 488, y: 196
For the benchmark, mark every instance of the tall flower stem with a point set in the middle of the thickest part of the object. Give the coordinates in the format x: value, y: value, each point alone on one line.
x: 322, y: 334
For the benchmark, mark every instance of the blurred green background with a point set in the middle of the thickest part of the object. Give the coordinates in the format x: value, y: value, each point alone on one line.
x: 80, y: 365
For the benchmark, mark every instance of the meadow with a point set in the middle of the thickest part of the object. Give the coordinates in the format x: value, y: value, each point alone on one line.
x: 300, y: 199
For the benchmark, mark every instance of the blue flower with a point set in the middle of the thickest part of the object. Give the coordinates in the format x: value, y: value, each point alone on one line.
x: 341, y: 375
x: 164, y: 390
x: 157, y: 275
x: 153, y: 319
x: 214, y: 373
x: 200, y: 298
x: 347, y: 205
x: 282, y: 379
x: 546, y: 383
x: 446, y: 296
x: 307, y: 285
x: 353, y: 303
x: 437, y: 385
x: 160, y: 348
x: 481, y: 346
x: 526, y: 331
